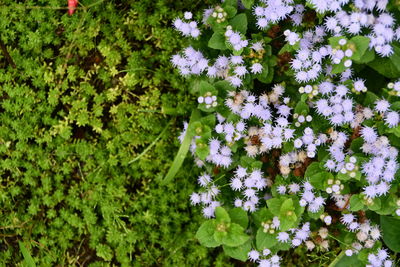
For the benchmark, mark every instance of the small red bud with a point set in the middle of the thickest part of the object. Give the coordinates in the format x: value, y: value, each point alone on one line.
x: 72, y: 4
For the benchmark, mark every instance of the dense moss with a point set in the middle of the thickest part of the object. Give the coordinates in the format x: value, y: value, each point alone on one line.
x: 82, y: 96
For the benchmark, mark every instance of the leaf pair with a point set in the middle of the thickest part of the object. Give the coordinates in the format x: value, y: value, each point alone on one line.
x: 226, y: 229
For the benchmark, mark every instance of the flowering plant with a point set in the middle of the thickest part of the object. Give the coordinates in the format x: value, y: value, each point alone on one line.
x: 297, y: 127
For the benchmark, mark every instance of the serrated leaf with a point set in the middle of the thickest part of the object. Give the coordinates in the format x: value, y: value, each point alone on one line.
x: 239, y: 23
x: 230, y: 9
x: 217, y: 41
x: 317, y: 180
x: 286, y: 206
x: 223, y: 86
x: 265, y: 240
x: 385, y: 67
x: 301, y: 108
x: 202, y: 149
x: 205, y: 234
x: 368, y: 56
x: 239, y: 216
x: 361, y: 43
x: 248, y: 3
x: 239, y: 252
x: 356, y: 203
x: 274, y: 205
x: 235, y: 236
x: 264, y: 76
x: 206, y: 87
x: 221, y: 215
x: 312, y: 169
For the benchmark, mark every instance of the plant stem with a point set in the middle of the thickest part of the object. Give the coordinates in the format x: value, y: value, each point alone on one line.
x: 152, y: 144
x: 337, y: 259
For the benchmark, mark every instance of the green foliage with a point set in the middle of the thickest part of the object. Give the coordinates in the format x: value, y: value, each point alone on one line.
x: 390, y: 229
x: 221, y: 231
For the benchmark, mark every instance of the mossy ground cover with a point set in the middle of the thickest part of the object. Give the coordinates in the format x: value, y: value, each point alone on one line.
x: 90, y: 112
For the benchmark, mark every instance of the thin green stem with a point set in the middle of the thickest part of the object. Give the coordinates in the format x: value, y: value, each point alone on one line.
x: 219, y: 178
x: 224, y: 185
x: 152, y: 144
x: 341, y: 242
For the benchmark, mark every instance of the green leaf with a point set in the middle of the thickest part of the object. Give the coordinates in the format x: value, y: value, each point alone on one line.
x: 318, y: 180
x: 356, y: 144
x: 334, y: 41
x: 230, y: 9
x: 391, y: 232
x: 346, y: 261
x: 287, y: 215
x: 235, y: 236
x: 388, y: 205
x: 385, y: 67
x: 239, y: 216
x: 232, y: 3
x: 217, y: 41
x: 286, y: 207
x: 221, y: 215
x: 248, y: 3
x: 239, y: 23
x: 274, y: 205
x: 265, y: 240
x: 361, y: 43
x: 261, y: 215
x: 356, y: 203
x: 368, y: 56
x: 395, y: 131
x: 184, y: 148
x: 208, y: 120
x: 338, y: 68
x: 205, y: 234
x: 264, y: 76
x: 206, y: 87
x: 370, y: 98
x: 312, y: 169
x: 395, y: 57
x: 239, y: 252
x: 202, y: 149
x: 223, y: 86
x: 28, y: 260
x: 301, y: 108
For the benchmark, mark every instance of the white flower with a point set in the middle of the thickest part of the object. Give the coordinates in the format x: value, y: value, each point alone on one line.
x: 253, y: 255
x: 256, y: 68
x: 195, y: 198
x: 349, y: 252
x: 347, y: 218
x: 375, y: 233
x: 283, y: 237
x: 382, y: 105
x: 236, y: 184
